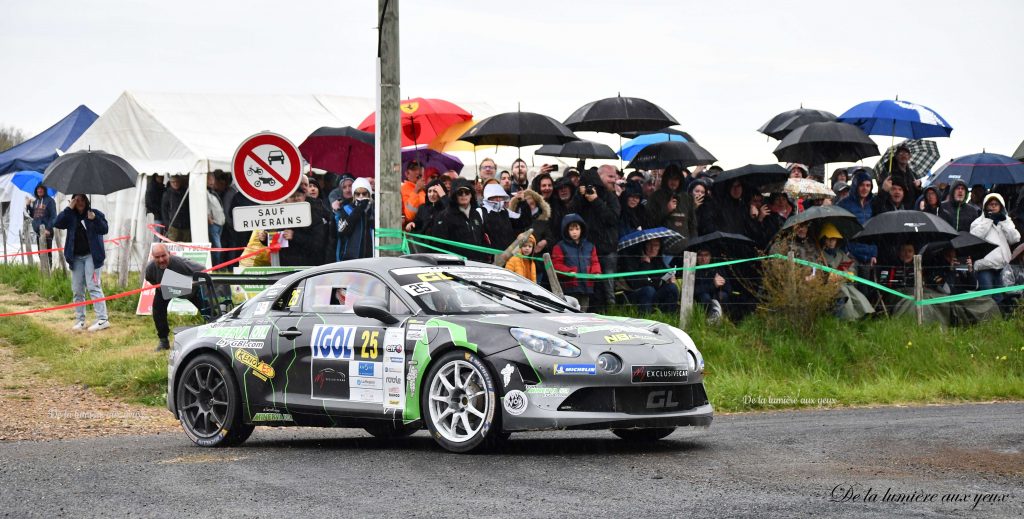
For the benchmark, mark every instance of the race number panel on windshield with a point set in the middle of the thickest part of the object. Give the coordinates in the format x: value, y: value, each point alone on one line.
x: 267, y: 168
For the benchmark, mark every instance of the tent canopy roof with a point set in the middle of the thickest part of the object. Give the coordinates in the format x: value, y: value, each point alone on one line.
x: 38, y: 152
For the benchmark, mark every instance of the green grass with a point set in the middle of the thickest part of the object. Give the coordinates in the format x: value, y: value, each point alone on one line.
x: 57, y: 286
x: 879, y: 361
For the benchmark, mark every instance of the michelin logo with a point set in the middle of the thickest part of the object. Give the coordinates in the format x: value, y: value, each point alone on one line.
x: 575, y: 369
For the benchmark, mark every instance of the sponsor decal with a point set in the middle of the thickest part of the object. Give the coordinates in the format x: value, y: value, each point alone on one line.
x: 262, y: 308
x: 236, y: 332
x: 331, y: 383
x: 392, y: 379
x: 375, y: 396
x: 390, y: 363
x: 506, y: 374
x: 655, y: 374
x: 548, y: 391
x: 393, y: 348
x: 418, y: 289
x: 272, y: 417
x: 661, y: 399
x: 365, y: 369
x: 240, y: 343
x: 414, y: 332
x: 365, y: 383
x: 515, y: 402
x: 574, y: 319
x: 260, y: 369
x: 620, y: 337
x: 575, y: 369
x: 333, y: 342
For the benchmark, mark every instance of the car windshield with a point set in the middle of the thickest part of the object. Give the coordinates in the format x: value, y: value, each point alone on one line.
x: 450, y: 290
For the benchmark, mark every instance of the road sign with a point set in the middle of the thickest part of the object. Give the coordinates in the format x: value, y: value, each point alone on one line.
x: 266, y: 217
x: 267, y: 168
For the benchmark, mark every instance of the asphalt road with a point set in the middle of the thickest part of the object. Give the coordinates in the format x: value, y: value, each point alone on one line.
x: 791, y: 464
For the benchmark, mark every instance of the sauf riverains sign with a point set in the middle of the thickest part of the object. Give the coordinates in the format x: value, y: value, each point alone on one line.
x: 267, y: 169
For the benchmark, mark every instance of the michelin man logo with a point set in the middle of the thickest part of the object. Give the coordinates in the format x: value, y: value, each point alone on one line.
x: 506, y: 374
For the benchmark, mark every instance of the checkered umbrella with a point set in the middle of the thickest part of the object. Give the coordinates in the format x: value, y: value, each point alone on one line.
x: 669, y: 238
x: 923, y: 155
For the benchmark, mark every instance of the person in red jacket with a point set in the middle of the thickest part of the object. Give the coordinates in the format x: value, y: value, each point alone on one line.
x: 575, y: 254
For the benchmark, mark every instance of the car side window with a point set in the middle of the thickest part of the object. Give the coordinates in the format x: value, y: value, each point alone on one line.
x: 338, y: 292
x: 396, y: 306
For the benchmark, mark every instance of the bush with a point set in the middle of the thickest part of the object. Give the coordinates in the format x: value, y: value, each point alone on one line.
x: 794, y: 297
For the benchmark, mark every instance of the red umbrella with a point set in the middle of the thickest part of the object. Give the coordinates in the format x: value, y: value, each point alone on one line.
x: 422, y: 119
x: 340, y: 150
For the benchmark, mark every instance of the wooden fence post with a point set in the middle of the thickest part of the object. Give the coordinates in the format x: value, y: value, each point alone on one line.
x: 556, y: 287
x: 918, y: 288
x: 26, y: 241
x: 686, y: 294
x: 44, y: 260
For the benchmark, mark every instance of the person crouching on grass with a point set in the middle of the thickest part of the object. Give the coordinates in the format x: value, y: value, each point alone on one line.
x: 83, y: 249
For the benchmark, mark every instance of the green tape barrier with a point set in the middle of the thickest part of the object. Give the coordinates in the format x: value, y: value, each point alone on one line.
x: 406, y: 240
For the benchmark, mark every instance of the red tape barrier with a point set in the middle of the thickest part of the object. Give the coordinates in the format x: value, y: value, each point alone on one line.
x: 274, y: 246
x: 152, y: 228
x: 117, y: 240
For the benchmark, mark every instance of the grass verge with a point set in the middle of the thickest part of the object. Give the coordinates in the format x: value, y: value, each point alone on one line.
x: 753, y: 365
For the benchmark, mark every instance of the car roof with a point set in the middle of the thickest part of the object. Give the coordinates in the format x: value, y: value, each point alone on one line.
x: 378, y: 265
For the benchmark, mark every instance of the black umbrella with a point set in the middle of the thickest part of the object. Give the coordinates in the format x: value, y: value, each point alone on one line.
x: 518, y: 129
x: 821, y: 143
x: 90, y: 172
x: 670, y: 131
x: 781, y: 125
x: 663, y: 154
x: 619, y: 114
x: 722, y: 241
x: 966, y: 244
x: 755, y: 175
x: 844, y: 221
x: 581, y: 149
x: 896, y: 227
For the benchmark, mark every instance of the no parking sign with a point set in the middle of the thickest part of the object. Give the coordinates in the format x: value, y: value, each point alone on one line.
x: 267, y: 168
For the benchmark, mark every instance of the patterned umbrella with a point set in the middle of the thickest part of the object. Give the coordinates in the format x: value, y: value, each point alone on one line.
x: 807, y: 188
x: 669, y: 238
x: 923, y: 155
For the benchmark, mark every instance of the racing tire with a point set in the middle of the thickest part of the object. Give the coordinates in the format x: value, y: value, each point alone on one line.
x: 644, y: 435
x: 209, y: 404
x: 390, y: 431
x: 459, y: 403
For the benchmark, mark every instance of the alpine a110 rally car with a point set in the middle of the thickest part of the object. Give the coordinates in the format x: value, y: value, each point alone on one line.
x: 469, y: 351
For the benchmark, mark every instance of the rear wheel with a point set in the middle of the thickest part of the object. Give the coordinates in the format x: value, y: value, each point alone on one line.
x: 643, y: 435
x: 459, y: 405
x: 209, y: 404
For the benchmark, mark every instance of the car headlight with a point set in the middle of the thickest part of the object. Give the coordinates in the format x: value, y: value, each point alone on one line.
x: 547, y: 344
x: 695, y: 357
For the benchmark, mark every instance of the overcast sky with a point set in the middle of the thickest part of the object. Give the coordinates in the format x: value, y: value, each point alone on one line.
x: 721, y: 68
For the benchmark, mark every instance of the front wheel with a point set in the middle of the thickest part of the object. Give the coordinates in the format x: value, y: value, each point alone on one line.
x: 643, y: 435
x: 459, y: 405
x: 209, y: 404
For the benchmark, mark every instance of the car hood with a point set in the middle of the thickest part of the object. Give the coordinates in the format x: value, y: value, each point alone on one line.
x: 584, y: 329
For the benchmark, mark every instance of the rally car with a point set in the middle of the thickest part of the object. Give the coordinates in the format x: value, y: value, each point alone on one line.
x: 469, y: 351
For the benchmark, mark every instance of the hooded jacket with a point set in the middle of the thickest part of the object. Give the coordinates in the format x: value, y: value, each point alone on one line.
x: 570, y: 256
x: 500, y: 225
x: 863, y: 210
x: 632, y: 219
x: 683, y: 218
x: 559, y: 208
x: 960, y: 214
x: 464, y: 227
x: 705, y: 213
x: 999, y: 229
x: 69, y: 219
x: 428, y: 212
x: 355, y: 225
x: 541, y: 220
x: 601, y: 215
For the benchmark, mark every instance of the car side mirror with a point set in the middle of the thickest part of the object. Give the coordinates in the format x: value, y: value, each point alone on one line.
x: 573, y: 302
x: 374, y: 308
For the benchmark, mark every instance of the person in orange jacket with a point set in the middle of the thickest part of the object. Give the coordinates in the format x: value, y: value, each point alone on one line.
x: 523, y: 266
x: 413, y: 193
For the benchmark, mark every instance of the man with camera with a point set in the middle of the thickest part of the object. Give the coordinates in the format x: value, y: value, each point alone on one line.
x: 599, y: 208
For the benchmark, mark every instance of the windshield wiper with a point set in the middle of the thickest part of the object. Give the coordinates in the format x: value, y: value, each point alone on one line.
x: 500, y: 294
x: 531, y: 295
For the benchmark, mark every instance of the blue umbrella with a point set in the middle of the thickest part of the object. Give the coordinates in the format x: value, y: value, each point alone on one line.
x: 28, y: 180
x: 897, y: 118
x: 981, y: 168
x: 633, y: 146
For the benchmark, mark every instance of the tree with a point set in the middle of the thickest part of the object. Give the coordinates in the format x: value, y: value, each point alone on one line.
x: 10, y: 137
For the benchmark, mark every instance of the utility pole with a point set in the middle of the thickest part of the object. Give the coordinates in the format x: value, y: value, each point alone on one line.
x: 388, y: 129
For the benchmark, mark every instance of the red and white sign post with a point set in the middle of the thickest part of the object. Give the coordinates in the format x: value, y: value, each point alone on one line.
x: 267, y: 169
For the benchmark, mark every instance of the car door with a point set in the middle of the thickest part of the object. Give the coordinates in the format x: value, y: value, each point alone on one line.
x: 339, y: 359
